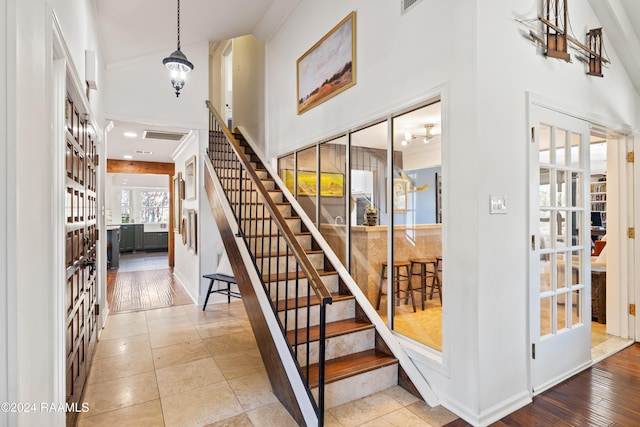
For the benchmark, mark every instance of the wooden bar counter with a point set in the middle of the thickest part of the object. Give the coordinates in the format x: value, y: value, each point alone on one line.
x: 369, y: 248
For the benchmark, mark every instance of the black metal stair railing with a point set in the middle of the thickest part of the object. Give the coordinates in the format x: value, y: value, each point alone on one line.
x: 278, y: 256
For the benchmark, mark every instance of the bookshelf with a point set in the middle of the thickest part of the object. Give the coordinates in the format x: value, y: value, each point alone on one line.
x: 599, y: 198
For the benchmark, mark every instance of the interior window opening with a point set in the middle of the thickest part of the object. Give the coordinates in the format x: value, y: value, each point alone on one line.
x: 358, y: 199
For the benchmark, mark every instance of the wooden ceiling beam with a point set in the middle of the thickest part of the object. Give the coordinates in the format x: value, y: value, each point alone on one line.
x: 129, y: 166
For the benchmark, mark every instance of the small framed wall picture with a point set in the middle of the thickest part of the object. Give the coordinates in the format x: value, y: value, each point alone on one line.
x: 177, y: 203
x: 190, y: 181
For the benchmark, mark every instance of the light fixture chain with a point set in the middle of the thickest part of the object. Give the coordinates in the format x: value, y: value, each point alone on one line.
x: 178, y: 24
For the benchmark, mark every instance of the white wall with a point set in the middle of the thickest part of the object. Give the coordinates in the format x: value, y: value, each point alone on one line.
x: 249, y: 87
x: 474, y: 51
x: 32, y: 375
x: 4, y: 199
x: 398, y: 67
x: 186, y: 263
x: 140, y: 91
x: 249, y: 91
x: 509, y: 66
x: 210, y: 241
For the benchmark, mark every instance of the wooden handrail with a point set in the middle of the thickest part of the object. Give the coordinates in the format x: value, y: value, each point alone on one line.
x: 298, y: 252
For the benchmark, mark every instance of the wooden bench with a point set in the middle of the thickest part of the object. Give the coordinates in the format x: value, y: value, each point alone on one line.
x: 221, y: 278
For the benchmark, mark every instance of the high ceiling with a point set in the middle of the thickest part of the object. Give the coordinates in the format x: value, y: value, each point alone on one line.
x: 136, y: 28
x: 132, y: 29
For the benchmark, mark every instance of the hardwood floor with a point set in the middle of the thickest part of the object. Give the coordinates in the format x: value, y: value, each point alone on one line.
x: 144, y: 290
x: 604, y: 395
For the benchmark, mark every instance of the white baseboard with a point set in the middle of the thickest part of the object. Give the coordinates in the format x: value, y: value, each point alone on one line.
x: 181, y: 281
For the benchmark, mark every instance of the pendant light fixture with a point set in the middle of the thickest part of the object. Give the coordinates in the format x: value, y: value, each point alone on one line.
x: 178, y: 63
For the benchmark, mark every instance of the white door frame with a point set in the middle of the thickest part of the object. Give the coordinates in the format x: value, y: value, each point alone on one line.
x: 632, y: 331
x: 565, y: 347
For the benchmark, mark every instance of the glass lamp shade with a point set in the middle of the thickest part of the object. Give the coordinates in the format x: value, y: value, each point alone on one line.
x: 179, y: 66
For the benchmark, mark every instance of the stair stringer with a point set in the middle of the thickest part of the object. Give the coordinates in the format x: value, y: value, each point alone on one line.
x: 412, y: 372
x: 282, y: 370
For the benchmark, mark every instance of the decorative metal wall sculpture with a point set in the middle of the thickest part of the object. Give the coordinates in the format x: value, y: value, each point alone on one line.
x: 552, y: 32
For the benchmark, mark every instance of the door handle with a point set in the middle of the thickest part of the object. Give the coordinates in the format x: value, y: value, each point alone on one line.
x: 91, y: 263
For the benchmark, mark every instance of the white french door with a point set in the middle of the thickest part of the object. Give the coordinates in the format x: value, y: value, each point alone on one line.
x: 560, y: 247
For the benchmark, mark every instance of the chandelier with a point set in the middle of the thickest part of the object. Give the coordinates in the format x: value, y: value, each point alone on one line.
x: 178, y: 63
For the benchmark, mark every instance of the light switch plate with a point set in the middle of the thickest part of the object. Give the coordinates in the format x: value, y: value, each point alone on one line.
x: 498, y: 204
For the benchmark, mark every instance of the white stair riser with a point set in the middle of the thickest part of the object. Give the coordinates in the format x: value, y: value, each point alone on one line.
x: 278, y: 265
x: 257, y: 211
x: 253, y: 197
x: 331, y: 282
x: 358, y: 386
x: 234, y: 173
x: 339, y: 310
x: 235, y: 184
x: 342, y: 345
x: 271, y: 228
x: 264, y: 245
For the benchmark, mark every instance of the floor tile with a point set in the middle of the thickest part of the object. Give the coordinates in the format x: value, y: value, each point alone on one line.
x: 226, y: 344
x: 179, y: 353
x: 218, y: 328
x: 200, y: 317
x: 119, y: 393
x: 401, y: 395
x: 401, y: 418
x: 159, y: 313
x: 121, y: 366
x: 271, y: 415
x: 187, y: 376
x: 364, y: 410
x: 120, y: 346
x: 241, y: 363
x: 253, y: 391
x: 147, y: 414
x: 166, y: 323
x: 437, y: 416
x: 237, y: 421
x: 201, y: 406
x: 330, y: 420
x: 125, y: 325
x: 170, y: 336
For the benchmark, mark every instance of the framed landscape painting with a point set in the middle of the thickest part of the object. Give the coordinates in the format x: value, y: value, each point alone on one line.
x: 329, y: 67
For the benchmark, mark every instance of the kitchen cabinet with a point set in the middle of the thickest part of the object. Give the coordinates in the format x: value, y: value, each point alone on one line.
x: 156, y: 240
x: 131, y: 237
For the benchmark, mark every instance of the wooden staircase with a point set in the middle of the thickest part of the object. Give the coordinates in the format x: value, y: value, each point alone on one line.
x: 352, y: 361
x: 352, y: 357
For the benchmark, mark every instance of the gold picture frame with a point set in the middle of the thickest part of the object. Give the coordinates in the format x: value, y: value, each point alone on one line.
x: 190, y: 180
x: 192, y: 241
x: 331, y: 183
x: 329, y: 67
x: 400, y: 195
x: 177, y: 202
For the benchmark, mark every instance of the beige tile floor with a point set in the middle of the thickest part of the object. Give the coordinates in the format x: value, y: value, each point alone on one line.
x: 180, y: 366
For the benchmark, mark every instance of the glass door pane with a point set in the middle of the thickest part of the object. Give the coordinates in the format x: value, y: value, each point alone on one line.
x: 417, y: 229
x: 560, y: 261
x: 306, y: 180
x: 333, y: 211
x: 369, y: 236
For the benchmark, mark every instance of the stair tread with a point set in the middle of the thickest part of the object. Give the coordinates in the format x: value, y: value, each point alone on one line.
x: 291, y: 275
x: 296, y: 233
x: 233, y: 203
x: 333, y: 329
x: 313, y: 300
x: 266, y: 218
x: 350, y: 365
x: 281, y: 254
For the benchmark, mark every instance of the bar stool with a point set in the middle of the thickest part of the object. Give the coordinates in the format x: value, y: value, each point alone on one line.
x: 425, y: 274
x: 398, y: 277
x: 437, y: 282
